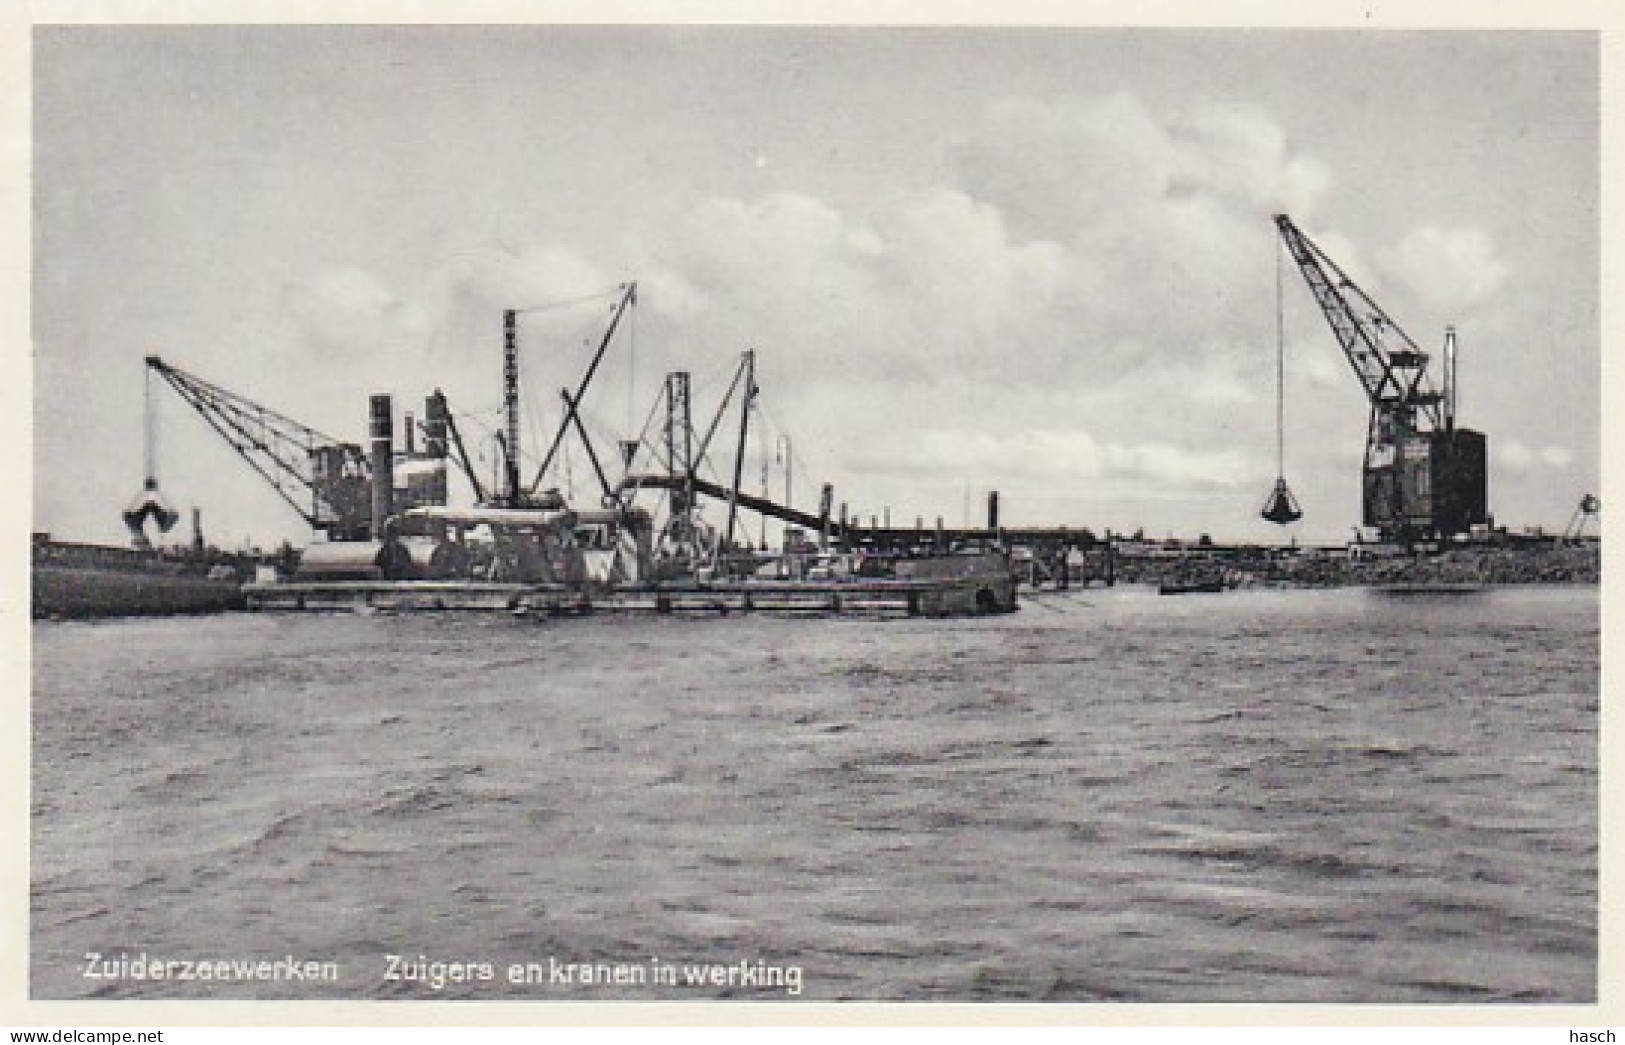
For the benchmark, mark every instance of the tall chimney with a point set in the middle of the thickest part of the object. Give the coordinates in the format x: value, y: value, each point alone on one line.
x: 826, y: 500
x: 434, y: 425
x: 435, y: 445
x: 382, y: 429
x: 1450, y: 388
x: 993, y: 510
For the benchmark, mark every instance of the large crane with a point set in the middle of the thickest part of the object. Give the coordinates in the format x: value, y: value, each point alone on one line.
x: 1423, y: 477
x: 325, y: 480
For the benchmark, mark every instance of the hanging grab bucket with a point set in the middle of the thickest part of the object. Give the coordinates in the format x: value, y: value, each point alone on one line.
x: 1281, y: 508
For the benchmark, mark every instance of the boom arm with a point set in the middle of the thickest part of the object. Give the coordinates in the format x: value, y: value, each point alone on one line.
x: 629, y: 296
x: 318, y: 476
x: 1392, y: 376
x: 462, y: 451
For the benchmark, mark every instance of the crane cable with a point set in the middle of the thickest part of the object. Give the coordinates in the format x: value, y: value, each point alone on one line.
x: 631, y: 369
x: 150, y: 463
x: 1280, y: 508
x: 1280, y: 372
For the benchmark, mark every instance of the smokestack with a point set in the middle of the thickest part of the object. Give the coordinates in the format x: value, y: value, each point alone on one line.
x: 993, y: 510
x: 826, y: 500
x: 434, y: 426
x: 382, y: 430
x: 435, y: 444
x: 1450, y: 390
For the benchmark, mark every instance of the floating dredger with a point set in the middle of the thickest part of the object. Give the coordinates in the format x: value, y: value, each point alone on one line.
x: 391, y: 538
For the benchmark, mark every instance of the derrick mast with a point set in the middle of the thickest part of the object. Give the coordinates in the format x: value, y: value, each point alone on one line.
x: 1423, y: 477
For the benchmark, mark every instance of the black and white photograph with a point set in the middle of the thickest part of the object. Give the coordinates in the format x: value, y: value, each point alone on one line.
x: 609, y: 512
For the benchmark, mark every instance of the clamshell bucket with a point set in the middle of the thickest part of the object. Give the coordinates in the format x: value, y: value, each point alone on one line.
x: 149, y: 504
x: 1281, y: 508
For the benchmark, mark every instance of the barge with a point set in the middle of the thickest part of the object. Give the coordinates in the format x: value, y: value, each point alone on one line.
x: 73, y: 581
x: 948, y: 586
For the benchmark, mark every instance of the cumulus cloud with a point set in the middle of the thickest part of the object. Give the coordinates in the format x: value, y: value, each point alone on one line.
x: 1515, y: 456
x: 1059, y: 455
x: 1087, y: 303
x: 1092, y: 269
x: 533, y: 275
x: 1449, y: 269
x: 350, y: 312
x: 1557, y: 456
x: 1519, y: 458
x: 1239, y: 152
x: 1066, y: 163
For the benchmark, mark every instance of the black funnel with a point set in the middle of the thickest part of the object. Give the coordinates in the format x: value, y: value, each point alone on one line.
x: 1281, y: 508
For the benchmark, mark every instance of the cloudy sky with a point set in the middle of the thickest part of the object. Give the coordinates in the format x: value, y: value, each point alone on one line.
x: 1036, y: 260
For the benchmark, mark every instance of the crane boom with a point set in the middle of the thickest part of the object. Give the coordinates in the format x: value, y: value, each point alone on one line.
x: 572, y: 403
x: 323, y: 479
x: 463, y: 460
x: 1385, y: 359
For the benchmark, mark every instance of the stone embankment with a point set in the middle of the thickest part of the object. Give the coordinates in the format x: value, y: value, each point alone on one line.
x: 1547, y: 564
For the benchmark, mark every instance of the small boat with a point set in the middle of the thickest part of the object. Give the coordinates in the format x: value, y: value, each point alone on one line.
x: 1191, y: 588
x: 1429, y: 588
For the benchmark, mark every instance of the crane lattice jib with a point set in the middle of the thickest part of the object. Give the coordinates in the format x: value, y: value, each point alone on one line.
x: 1388, y: 363
x: 629, y: 297
x: 279, y: 448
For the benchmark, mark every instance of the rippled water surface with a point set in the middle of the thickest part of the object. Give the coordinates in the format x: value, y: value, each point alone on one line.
x: 1110, y: 796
